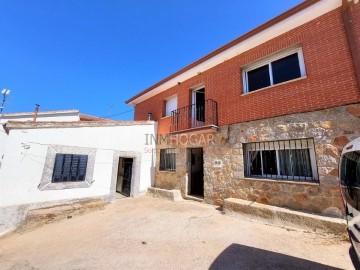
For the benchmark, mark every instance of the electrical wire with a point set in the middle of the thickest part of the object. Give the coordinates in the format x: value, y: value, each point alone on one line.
x: 112, y: 115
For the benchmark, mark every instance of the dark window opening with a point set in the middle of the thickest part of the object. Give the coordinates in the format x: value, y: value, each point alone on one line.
x: 350, y: 178
x: 255, y: 163
x: 269, y: 162
x: 286, y: 69
x: 259, y: 78
x: 350, y: 169
x: 167, y: 159
x: 200, y: 105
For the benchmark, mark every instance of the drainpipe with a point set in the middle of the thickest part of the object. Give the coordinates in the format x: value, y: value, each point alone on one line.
x: 36, y: 112
x: 350, y: 29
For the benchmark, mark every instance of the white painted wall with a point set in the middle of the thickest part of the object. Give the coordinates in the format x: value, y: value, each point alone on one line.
x: 52, y: 116
x: 22, y: 168
x: 3, y: 141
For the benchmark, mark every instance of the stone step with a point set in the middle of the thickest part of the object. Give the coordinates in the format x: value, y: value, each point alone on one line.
x: 284, y: 217
x: 41, y: 216
x: 172, y: 195
x: 193, y: 198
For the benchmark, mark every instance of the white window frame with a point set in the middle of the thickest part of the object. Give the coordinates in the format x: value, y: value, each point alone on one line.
x: 283, y: 145
x: 268, y: 61
x: 166, y: 105
x: 193, y: 98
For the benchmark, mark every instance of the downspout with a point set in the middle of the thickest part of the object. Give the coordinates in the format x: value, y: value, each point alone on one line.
x: 351, y: 36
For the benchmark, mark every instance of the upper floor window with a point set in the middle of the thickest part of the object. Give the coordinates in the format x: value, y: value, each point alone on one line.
x: 282, y: 67
x: 170, y: 105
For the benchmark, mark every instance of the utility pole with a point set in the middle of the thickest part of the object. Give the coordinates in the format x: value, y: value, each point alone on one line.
x: 4, y: 92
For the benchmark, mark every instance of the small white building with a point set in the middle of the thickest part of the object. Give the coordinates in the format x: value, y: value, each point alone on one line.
x: 57, y: 162
x: 56, y: 116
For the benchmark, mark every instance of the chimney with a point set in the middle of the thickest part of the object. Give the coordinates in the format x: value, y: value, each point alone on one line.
x: 36, y: 112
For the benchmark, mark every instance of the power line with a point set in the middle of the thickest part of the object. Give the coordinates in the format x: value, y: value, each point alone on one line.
x: 108, y: 116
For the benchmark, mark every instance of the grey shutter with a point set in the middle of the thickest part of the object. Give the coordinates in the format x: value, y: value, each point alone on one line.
x: 57, y: 174
x: 82, y: 167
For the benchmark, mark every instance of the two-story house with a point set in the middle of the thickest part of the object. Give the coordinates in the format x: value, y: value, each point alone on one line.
x: 264, y: 117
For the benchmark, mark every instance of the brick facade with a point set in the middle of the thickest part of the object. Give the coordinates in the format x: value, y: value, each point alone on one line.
x: 330, y: 81
x: 323, y: 106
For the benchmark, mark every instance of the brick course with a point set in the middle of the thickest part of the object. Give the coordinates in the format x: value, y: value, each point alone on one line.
x: 330, y: 81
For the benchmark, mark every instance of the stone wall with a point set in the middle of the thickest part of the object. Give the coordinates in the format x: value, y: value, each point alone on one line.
x: 331, y: 129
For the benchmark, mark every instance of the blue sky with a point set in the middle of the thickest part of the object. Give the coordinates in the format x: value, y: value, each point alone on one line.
x: 92, y: 55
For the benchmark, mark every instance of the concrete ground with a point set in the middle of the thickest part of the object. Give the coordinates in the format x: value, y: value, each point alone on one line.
x: 150, y: 233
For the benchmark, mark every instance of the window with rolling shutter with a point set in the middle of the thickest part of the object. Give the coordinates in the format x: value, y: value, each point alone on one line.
x: 69, y: 168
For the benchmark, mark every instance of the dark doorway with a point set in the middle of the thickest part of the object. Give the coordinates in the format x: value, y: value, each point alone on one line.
x: 198, y: 107
x: 196, y: 172
x: 123, y: 184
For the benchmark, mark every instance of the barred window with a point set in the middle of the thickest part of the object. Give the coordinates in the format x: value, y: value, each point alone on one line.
x: 69, y: 168
x: 167, y: 159
x: 285, y: 160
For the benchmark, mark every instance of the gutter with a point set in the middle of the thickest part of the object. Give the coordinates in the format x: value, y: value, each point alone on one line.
x: 351, y: 36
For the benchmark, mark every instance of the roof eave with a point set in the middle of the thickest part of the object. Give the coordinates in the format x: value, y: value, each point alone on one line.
x: 232, y: 43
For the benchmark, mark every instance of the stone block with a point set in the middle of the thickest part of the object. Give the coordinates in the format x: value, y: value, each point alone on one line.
x: 354, y: 111
x: 327, y: 161
x: 300, y: 197
x: 41, y: 216
x: 327, y: 124
x: 281, y: 128
x: 297, y: 189
x: 285, y: 217
x: 172, y: 195
x: 315, y: 132
x: 341, y: 141
x: 298, y: 127
x: 313, y: 191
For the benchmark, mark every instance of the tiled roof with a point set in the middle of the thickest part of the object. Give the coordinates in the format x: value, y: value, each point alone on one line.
x: 41, y: 113
x: 32, y: 125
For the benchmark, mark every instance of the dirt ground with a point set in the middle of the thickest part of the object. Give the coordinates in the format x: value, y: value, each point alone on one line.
x: 149, y: 233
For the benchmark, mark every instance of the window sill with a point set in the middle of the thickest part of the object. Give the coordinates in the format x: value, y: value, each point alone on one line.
x: 290, y: 182
x: 166, y: 171
x: 65, y: 185
x: 275, y: 85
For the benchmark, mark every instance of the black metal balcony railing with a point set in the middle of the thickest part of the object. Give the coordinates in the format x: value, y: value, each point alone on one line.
x: 194, y: 116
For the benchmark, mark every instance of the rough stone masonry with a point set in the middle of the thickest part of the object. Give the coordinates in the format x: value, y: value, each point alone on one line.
x: 330, y: 129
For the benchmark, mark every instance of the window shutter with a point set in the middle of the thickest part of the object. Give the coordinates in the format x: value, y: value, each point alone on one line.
x: 74, y: 167
x: 171, y: 105
x: 69, y: 168
x: 82, y: 167
x: 59, y: 161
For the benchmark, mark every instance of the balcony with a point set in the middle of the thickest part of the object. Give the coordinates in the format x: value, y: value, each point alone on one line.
x: 199, y: 116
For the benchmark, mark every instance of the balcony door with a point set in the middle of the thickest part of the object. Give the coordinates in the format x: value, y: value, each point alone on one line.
x: 198, y: 107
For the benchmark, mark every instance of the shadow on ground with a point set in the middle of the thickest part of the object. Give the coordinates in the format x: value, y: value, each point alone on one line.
x: 243, y: 257
x: 354, y: 258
